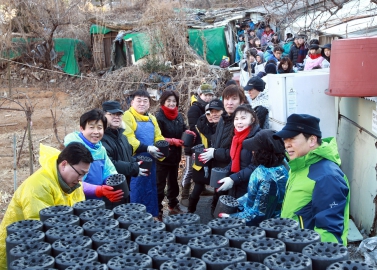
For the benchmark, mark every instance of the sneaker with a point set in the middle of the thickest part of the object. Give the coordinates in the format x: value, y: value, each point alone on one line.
x: 175, y: 210
x: 184, y: 202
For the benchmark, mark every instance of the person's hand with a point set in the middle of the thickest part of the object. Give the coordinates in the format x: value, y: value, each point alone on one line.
x: 174, y: 141
x: 227, y: 184
x: 110, y: 193
x: 142, y: 172
x: 191, y: 132
x: 154, y: 151
x: 207, y: 155
x: 222, y: 215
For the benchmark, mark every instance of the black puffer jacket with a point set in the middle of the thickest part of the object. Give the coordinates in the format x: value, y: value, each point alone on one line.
x: 120, y: 152
x: 293, y: 53
x: 196, y: 110
x: 207, y: 129
x: 171, y: 129
x: 221, y: 141
x: 241, y: 178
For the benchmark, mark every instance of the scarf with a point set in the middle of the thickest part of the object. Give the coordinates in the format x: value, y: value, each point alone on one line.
x: 236, y: 147
x: 170, y: 114
x: 88, y: 143
x: 315, y: 56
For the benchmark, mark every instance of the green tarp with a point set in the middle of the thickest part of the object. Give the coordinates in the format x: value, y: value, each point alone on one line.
x: 72, y: 49
x: 140, y: 44
x: 98, y: 29
x: 215, y: 47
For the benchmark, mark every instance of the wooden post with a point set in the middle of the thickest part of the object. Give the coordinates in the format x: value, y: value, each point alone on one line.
x: 9, y: 81
x: 30, y: 146
x: 14, y: 162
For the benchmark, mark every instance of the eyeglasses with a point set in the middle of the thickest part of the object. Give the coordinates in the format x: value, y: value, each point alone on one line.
x: 80, y: 174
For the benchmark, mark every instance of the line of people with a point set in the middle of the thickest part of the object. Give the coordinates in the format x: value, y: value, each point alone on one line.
x: 233, y: 133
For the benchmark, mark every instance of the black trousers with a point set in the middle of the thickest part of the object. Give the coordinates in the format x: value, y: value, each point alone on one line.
x: 195, y: 197
x: 167, y: 174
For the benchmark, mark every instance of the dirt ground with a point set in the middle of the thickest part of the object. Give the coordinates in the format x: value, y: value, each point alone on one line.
x: 14, y: 123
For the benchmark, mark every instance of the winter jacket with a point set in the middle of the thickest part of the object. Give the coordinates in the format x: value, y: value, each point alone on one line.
x: 262, y: 100
x: 241, y: 178
x: 318, y: 194
x: 302, y: 53
x: 171, y: 129
x: 312, y: 62
x: 287, y: 48
x: 196, y: 110
x: 131, y: 117
x: 245, y: 75
x: 221, y: 141
x: 259, y: 67
x: 204, y: 131
x: 293, y: 53
x: 264, y: 197
x: 100, y: 169
x: 282, y: 71
x: 120, y: 152
x: 38, y: 191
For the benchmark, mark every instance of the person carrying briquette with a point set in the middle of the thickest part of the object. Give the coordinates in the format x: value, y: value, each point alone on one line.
x: 57, y: 182
x: 197, y: 109
x: 205, y: 128
x: 246, y: 126
x: 92, y: 127
x: 318, y: 192
x: 266, y: 186
x: 172, y: 125
x: 116, y: 144
x: 142, y: 131
x: 232, y: 97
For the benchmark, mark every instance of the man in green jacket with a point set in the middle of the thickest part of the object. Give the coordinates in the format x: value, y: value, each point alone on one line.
x: 317, y: 192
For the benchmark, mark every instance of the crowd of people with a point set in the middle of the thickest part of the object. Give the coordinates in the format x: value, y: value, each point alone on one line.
x: 293, y: 173
x: 260, y: 51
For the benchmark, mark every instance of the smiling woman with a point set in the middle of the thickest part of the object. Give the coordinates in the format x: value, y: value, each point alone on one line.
x: 92, y: 127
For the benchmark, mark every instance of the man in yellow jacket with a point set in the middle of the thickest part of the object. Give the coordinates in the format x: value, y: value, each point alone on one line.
x: 142, y: 131
x: 57, y: 182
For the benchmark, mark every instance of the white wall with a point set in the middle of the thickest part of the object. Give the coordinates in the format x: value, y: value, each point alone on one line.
x: 357, y: 148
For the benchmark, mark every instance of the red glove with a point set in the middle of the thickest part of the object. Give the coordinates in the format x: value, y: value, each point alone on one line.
x: 108, y: 192
x: 174, y: 141
x: 191, y: 132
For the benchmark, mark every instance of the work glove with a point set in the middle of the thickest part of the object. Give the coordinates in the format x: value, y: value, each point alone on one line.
x: 227, y: 184
x: 223, y: 215
x: 191, y: 132
x: 207, y: 155
x: 154, y: 151
x: 174, y: 141
x: 142, y: 172
x: 109, y: 192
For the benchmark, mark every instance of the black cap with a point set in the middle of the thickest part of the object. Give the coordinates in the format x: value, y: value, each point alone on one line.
x: 255, y: 83
x: 264, y: 140
x: 216, y: 104
x: 300, y: 123
x: 112, y: 107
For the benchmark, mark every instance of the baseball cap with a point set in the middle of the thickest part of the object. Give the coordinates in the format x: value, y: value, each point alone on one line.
x: 300, y: 123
